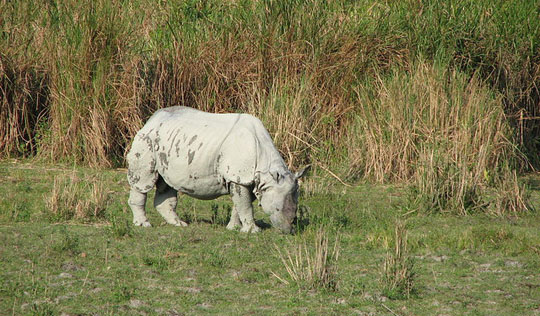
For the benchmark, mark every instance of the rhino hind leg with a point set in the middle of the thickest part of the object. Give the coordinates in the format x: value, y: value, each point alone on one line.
x: 241, y: 197
x: 141, y: 176
x: 165, y: 203
x: 137, y: 201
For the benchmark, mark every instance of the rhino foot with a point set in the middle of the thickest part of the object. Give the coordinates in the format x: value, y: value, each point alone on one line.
x: 179, y: 223
x: 250, y: 228
x: 143, y: 224
x: 233, y: 226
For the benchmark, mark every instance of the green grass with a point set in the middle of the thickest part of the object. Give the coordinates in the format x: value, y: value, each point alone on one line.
x: 464, y: 265
x: 426, y: 93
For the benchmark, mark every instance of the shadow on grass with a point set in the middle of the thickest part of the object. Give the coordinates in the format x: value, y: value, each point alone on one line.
x: 533, y: 183
x: 262, y: 224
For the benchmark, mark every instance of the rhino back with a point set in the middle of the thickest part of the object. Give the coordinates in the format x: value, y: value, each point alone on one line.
x: 200, y: 153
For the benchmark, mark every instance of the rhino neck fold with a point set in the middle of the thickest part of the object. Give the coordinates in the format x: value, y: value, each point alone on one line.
x: 268, y: 157
x: 229, y: 132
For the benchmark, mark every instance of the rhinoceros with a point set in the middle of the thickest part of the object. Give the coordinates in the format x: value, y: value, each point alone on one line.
x: 206, y: 155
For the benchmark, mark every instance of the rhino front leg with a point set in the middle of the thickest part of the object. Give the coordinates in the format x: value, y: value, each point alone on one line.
x: 137, y: 201
x: 241, y: 197
x: 234, y: 223
x: 165, y: 203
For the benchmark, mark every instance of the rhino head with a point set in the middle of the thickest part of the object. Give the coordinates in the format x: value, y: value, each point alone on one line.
x: 277, y: 192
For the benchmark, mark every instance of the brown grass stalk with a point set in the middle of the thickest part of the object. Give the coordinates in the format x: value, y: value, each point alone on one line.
x: 75, y: 198
x: 311, y: 267
x: 398, y: 270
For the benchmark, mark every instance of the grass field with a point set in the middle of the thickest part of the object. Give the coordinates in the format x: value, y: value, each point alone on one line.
x: 54, y: 263
x: 429, y: 108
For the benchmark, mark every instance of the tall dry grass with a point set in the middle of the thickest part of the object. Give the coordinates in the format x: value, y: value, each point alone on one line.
x: 367, y: 88
x: 445, y: 132
x: 24, y: 106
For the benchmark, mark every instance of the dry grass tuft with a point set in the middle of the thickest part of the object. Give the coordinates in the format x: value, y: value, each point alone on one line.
x: 398, y: 270
x: 75, y: 198
x: 509, y: 197
x: 311, y: 267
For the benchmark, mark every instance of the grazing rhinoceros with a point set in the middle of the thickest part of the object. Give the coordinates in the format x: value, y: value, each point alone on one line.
x: 205, y: 156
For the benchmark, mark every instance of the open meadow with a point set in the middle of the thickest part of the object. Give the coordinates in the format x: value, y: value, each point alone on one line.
x: 95, y: 262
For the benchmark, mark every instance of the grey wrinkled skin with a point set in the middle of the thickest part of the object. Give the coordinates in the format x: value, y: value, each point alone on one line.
x: 204, y: 156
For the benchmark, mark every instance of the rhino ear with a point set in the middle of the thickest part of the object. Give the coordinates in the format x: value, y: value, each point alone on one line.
x: 302, y: 172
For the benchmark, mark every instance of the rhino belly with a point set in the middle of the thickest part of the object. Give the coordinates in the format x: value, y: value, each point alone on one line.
x: 200, y: 181
x: 204, y: 188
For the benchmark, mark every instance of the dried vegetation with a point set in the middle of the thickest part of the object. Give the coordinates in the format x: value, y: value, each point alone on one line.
x: 398, y: 274
x: 75, y: 198
x: 443, y: 95
x: 311, y: 266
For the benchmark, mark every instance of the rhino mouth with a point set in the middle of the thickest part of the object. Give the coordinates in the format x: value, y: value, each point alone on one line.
x: 282, y: 223
x: 289, y: 209
x: 286, y: 229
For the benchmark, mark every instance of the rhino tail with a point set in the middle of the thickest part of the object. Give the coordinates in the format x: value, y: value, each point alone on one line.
x: 142, y: 173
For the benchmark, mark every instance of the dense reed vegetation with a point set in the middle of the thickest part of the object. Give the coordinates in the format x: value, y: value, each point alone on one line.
x: 432, y: 92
